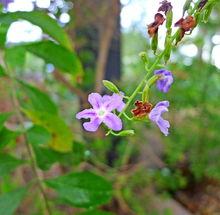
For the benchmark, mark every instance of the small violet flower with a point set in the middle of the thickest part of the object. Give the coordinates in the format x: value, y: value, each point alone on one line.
x: 101, y: 111
x: 165, y: 81
x: 155, y: 116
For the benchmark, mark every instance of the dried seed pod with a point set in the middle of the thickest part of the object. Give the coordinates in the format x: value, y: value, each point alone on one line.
x: 142, y: 109
x: 153, y: 27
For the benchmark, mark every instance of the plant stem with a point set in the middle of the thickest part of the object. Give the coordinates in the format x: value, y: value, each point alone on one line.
x: 29, y: 149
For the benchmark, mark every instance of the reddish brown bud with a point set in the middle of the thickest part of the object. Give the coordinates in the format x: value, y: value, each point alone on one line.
x: 165, y: 6
x: 153, y: 27
x: 142, y: 109
x: 159, y: 19
x: 186, y: 24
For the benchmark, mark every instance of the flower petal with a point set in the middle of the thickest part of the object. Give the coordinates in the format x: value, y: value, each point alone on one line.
x: 166, y: 80
x: 163, y: 125
x: 93, y: 125
x: 156, y: 116
x: 113, y: 122
x: 106, y: 98
x: 163, y: 103
x: 158, y: 110
x: 87, y: 113
x: 114, y: 102
x: 95, y: 100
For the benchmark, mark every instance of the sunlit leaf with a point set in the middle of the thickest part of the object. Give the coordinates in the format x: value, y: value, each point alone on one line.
x: 10, y: 201
x: 41, y: 19
x: 62, y: 136
x: 82, y: 189
x: 8, y: 164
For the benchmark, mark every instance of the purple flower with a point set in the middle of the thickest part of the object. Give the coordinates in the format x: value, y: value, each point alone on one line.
x: 155, y: 116
x: 165, y: 81
x: 102, y: 112
x: 6, y: 2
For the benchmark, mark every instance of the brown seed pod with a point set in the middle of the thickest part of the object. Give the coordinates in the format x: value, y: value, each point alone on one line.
x: 142, y: 109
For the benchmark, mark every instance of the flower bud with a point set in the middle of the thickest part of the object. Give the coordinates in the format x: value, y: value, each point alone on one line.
x: 168, y: 48
x: 154, y: 43
x: 126, y: 133
x: 169, y: 19
x: 110, y: 86
x: 144, y: 57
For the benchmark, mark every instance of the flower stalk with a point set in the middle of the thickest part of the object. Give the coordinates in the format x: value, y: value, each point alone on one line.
x: 162, y: 78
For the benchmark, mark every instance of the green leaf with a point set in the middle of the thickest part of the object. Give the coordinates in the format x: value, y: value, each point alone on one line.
x: 41, y: 19
x: 3, y: 34
x: 2, y: 71
x: 10, y: 201
x: 40, y: 138
x: 15, y: 56
x: 57, y: 55
x: 40, y: 101
x: 45, y: 157
x: 75, y: 157
x: 6, y: 136
x: 38, y: 135
x: 96, y: 212
x: 62, y: 136
x: 83, y: 189
x: 3, y: 118
x: 8, y: 164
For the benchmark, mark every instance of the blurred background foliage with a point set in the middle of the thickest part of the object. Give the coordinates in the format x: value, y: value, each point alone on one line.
x: 49, y: 64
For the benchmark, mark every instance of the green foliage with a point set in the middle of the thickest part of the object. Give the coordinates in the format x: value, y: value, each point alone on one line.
x: 57, y: 128
x: 8, y: 164
x: 57, y: 55
x: 6, y: 136
x: 40, y: 138
x: 15, y: 57
x: 39, y: 101
x: 38, y: 135
x: 49, y: 51
x: 82, y: 189
x: 42, y: 20
x: 3, y: 118
x: 96, y: 212
x: 3, y: 34
x: 165, y: 179
x: 10, y: 201
x: 2, y: 71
